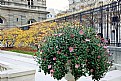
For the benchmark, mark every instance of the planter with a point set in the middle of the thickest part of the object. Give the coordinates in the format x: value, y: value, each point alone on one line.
x: 69, y: 77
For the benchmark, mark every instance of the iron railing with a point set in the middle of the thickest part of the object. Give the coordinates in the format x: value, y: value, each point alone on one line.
x: 105, y: 19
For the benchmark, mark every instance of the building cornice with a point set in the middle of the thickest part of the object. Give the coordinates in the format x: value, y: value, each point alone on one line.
x: 11, y: 3
x: 23, y: 9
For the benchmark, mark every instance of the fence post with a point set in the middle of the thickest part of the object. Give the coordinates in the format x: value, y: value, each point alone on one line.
x: 107, y: 22
x: 101, y: 10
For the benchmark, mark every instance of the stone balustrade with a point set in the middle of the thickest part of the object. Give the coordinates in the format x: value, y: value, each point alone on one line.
x: 16, y: 73
x: 2, y: 68
x: 116, y: 56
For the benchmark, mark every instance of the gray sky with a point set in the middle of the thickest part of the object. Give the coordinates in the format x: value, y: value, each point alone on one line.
x: 57, y: 4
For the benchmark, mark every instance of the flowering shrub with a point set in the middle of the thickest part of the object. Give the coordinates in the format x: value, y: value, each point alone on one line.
x: 26, y: 38
x: 73, y: 49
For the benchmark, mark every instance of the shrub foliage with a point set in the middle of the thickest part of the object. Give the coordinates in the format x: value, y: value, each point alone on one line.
x: 73, y: 49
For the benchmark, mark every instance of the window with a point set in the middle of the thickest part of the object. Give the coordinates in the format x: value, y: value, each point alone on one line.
x: 31, y: 21
x: 25, y: 28
x: 1, y: 21
x: 39, y: 18
x: 17, y: 19
x: 51, y: 15
x: 30, y: 2
x: 113, y: 35
x: 48, y: 16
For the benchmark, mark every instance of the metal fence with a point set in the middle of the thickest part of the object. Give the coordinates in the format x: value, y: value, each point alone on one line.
x: 105, y: 19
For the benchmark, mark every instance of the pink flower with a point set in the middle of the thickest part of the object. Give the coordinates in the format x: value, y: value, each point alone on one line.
x: 44, y: 59
x: 81, y: 32
x: 58, y: 52
x: 72, y: 35
x: 105, y: 47
x: 51, y: 71
x: 105, y: 41
x: 71, y: 49
x: 91, y: 70
x: 87, y: 40
x: 54, y: 58
x: 77, y: 66
x: 98, y: 56
x: 55, y: 34
x: 49, y: 66
x: 109, y: 54
x: 42, y: 51
x: 60, y: 34
x: 44, y: 40
x: 102, y: 39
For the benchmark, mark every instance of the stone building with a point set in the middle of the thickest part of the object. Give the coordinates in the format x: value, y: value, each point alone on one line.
x: 75, y: 5
x: 15, y: 13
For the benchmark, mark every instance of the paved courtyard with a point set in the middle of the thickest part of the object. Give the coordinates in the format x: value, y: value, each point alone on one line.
x: 21, y: 61
x: 28, y: 61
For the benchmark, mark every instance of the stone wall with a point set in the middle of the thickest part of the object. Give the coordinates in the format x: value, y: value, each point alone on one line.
x: 116, y: 54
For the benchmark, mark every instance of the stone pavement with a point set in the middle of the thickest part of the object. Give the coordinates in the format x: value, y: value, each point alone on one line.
x: 24, y: 61
x: 28, y: 61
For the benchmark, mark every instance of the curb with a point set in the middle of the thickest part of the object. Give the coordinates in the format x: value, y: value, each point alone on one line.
x: 15, y: 53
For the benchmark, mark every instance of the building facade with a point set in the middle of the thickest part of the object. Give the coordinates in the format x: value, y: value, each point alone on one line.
x: 15, y: 13
x: 75, y: 5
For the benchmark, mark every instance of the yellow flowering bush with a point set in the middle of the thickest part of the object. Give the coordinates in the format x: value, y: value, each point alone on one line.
x: 19, y: 37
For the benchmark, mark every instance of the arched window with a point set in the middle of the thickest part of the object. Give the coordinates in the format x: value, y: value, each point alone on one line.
x: 1, y: 21
x: 113, y: 35
x: 31, y: 21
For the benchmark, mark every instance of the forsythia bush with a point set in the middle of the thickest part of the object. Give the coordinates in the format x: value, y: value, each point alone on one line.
x: 19, y: 37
